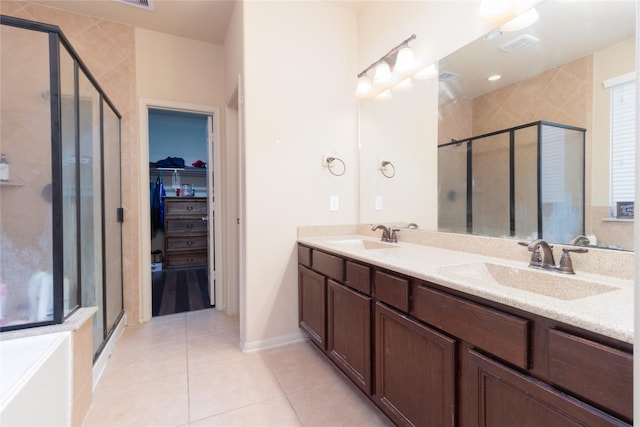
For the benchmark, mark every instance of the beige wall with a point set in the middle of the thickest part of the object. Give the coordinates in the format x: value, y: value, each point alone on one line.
x: 299, y: 67
x: 171, y: 68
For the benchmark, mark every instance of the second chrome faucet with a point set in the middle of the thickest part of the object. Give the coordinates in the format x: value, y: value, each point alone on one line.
x: 546, y: 260
x: 388, y: 234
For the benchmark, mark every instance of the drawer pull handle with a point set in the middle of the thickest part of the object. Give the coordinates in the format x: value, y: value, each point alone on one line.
x: 189, y: 208
x: 189, y: 243
x: 189, y: 225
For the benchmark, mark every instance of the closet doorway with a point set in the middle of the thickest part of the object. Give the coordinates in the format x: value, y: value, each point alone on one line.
x: 181, y: 147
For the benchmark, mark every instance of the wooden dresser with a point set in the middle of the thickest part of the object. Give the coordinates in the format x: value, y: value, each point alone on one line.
x: 185, y: 230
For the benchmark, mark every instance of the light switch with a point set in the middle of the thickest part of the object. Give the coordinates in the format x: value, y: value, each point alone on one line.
x: 378, y: 203
x: 334, y: 203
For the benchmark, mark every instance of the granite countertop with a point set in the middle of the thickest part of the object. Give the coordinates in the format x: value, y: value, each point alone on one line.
x: 608, y: 313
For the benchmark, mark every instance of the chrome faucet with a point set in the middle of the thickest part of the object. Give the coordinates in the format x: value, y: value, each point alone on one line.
x: 546, y: 261
x: 388, y: 235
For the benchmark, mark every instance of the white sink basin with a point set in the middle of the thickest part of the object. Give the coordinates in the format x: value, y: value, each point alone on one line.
x: 551, y: 284
x: 359, y: 244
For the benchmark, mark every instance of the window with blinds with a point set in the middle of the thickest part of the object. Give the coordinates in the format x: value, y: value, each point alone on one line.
x: 623, y: 140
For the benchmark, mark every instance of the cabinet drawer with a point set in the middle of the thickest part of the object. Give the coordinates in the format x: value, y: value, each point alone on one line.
x: 304, y: 255
x: 184, y: 225
x: 186, y: 206
x: 392, y: 290
x: 593, y: 371
x: 504, y: 335
x: 358, y: 277
x: 329, y: 265
x: 186, y: 259
x: 186, y: 242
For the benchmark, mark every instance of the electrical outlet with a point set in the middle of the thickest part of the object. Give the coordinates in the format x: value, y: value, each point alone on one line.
x: 334, y: 203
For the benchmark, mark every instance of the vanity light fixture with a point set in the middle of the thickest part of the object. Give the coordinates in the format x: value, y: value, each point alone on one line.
x: 427, y: 72
x: 393, y: 70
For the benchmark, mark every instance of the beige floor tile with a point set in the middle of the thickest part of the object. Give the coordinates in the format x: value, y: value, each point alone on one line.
x: 204, y: 351
x: 160, y: 330
x: 337, y: 403
x: 149, y: 362
x: 276, y: 412
x: 300, y: 366
x: 230, y: 385
x: 158, y: 402
x: 210, y: 322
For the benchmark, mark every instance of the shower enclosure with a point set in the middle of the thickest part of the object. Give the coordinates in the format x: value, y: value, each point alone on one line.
x: 60, y: 205
x: 524, y: 182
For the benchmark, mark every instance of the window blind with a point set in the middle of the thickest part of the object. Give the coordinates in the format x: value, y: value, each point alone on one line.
x: 623, y: 140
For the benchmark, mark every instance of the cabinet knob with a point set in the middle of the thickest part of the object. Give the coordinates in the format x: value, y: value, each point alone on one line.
x: 189, y: 225
x: 189, y: 243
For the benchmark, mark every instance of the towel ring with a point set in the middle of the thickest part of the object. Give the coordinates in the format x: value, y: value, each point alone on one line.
x: 383, y: 169
x: 340, y: 166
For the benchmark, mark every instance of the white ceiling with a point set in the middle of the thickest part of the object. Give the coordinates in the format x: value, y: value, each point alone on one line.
x: 204, y: 20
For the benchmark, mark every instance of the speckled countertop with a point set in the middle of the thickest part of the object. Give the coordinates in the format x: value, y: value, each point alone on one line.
x: 608, y: 313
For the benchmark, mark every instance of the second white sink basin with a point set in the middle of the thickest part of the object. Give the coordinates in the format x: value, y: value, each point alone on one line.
x: 553, y: 285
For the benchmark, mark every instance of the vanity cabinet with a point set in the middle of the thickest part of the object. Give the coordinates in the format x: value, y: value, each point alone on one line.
x: 335, y: 311
x: 427, y: 355
x: 185, y: 229
x: 502, y: 396
x: 312, y: 305
x: 415, y: 371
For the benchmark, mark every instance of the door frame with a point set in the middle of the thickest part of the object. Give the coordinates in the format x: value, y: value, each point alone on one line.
x: 144, y: 255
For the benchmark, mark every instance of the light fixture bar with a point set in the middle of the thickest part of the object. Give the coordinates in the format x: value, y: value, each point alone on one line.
x: 387, y: 55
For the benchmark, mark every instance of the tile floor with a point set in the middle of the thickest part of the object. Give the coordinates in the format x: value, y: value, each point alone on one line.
x: 187, y: 369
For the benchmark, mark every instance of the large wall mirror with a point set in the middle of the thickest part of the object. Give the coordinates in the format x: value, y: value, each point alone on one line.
x: 556, y: 86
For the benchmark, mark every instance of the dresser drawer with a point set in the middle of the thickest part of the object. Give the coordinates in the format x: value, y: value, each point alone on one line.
x: 358, y: 277
x: 185, y: 225
x: 392, y: 290
x: 186, y: 242
x: 592, y: 371
x: 186, y: 206
x: 504, y: 335
x: 329, y: 265
x: 186, y: 259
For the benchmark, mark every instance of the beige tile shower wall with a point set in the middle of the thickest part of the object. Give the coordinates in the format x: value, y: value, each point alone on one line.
x: 108, y: 50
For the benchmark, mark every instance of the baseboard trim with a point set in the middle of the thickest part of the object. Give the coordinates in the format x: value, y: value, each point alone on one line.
x: 249, y: 347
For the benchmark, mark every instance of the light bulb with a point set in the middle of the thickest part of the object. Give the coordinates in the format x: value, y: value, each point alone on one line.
x: 364, y: 88
x: 382, y: 76
x: 384, y: 95
x: 405, y: 63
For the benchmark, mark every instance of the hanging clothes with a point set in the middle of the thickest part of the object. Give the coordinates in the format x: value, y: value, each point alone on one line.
x: 157, y: 206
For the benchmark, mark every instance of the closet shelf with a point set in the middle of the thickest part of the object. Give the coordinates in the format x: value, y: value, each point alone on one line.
x: 181, y: 171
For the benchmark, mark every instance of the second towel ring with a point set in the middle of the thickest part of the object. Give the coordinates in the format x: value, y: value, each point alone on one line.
x: 340, y: 165
x: 383, y: 169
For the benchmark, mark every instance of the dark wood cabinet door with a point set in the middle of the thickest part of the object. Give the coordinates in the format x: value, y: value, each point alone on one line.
x: 415, y: 371
x: 349, y: 333
x: 500, y: 396
x: 312, y: 305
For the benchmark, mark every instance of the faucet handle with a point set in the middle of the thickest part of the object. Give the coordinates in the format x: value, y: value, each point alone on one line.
x: 394, y: 238
x: 536, y: 257
x: 566, y: 266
